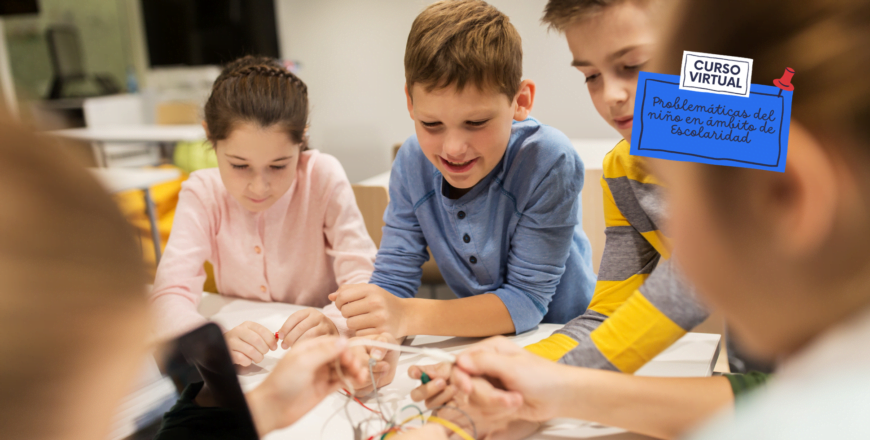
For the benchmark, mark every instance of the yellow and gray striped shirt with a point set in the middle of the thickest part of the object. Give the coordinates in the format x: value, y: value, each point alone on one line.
x: 641, y: 305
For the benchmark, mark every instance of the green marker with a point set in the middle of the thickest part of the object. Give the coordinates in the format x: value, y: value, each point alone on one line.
x: 424, y: 378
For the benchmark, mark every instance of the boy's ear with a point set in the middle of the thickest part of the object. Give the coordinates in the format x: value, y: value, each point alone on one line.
x: 525, y: 99
x: 805, y: 195
x: 410, y: 102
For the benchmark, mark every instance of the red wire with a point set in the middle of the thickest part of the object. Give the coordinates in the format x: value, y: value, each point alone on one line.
x: 386, y: 431
x: 359, y: 402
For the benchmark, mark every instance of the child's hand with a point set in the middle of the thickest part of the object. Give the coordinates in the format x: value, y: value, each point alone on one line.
x: 384, y: 369
x: 490, y: 415
x: 305, y: 324
x: 248, y: 342
x: 527, y: 386
x: 301, y: 380
x: 370, y: 310
x: 438, y: 391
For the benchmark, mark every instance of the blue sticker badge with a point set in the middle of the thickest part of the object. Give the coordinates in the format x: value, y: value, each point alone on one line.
x: 712, y: 128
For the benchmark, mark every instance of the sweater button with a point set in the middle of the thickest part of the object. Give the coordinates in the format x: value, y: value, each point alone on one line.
x: 461, y: 215
x: 257, y: 249
x: 466, y: 238
x: 263, y: 289
x: 473, y: 260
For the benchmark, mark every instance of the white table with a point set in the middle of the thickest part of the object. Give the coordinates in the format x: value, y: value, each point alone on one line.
x: 117, y: 180
x: 132, y: 134
x: 693, y: 355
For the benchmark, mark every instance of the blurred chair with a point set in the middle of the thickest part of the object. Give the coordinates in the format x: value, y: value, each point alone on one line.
x: 372, y: 202
x: 178, y: 113
x: 120, y: 110
x: 68, y: 67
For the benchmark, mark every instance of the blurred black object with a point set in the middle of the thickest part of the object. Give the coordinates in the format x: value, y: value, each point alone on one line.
x: 67, y: 63
x: 201, y: 32
x: 202, y: 356
x: 18, y: 7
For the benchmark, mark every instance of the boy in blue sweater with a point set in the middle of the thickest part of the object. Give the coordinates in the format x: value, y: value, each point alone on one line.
x: 492, y: 192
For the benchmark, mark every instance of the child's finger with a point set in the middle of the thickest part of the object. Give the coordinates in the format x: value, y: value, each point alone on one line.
x: 428, y: 390
x: 368, y: 332
x: 314, y: 332
x: 355, y: 308
x: 256, y: 340
x: 485, y: 395
x: 351, y: 293
x: 434, y: 371
x: 292, y: 321
x: 381, y: 367
x: 314, y: 353
x: 240, y: 359
x: 265, y: 335
x: 414, y: 372
x: 462, y: 380
x: 369, y: 322
x: 354, y: 366
x: 245, y: 349
x: 441, y: 398
x: 332, y: 296
x: 293, y: 337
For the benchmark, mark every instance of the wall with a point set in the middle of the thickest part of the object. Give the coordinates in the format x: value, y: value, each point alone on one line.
x: 352, y: 53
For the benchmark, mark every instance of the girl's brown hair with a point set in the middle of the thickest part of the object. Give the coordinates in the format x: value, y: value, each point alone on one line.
x: 257, y: 90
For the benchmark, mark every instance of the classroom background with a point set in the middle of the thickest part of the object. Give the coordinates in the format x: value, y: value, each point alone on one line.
x: 127, y: 79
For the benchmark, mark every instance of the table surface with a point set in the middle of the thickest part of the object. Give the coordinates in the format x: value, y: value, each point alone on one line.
x: 134, y: 133
x: 123, y: 179
x: 693, y: 355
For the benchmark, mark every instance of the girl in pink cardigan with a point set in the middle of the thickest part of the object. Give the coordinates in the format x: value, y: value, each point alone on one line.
x: 278, y: 222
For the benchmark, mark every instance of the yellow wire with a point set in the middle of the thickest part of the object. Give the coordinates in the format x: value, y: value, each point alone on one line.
x: 445, y: 423
x: 451, y: 426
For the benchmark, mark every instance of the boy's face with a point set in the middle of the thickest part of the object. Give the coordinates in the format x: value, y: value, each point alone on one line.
x: 257, y: 164
x: 610, y: 48
x: 464, y: 134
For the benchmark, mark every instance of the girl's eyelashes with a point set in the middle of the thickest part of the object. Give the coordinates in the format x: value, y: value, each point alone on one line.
x: 244, y: 167
x: 592, y: 77
x: 634, y: 67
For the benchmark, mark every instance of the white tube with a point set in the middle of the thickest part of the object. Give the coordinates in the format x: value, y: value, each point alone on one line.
x: 433, y: 353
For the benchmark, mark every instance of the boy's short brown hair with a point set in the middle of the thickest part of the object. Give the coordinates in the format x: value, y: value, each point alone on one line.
x: 457, y: 42
x: 559, y: 14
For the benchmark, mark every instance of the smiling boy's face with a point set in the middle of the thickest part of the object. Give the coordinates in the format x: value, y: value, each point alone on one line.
x: 610, y: 48
x: 465, y: 133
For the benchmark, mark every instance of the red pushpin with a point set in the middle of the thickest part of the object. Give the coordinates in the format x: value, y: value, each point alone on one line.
x: 785, y: 82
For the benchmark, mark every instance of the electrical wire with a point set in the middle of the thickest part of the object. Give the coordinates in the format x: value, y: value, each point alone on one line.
x: 360, y: 402
x: 433, y: 353
x: 451, y: 426
x: 391, y: 428
x: 372, y: 362
x: 470, y: 420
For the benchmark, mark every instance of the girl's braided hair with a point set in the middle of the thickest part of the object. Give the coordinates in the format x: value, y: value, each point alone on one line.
x: 258, y: 90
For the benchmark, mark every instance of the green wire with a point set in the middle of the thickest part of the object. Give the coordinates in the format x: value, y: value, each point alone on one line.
x: 424, y: 377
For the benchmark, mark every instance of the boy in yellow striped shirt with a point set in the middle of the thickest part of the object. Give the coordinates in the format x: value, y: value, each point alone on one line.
x: 640, y: 305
